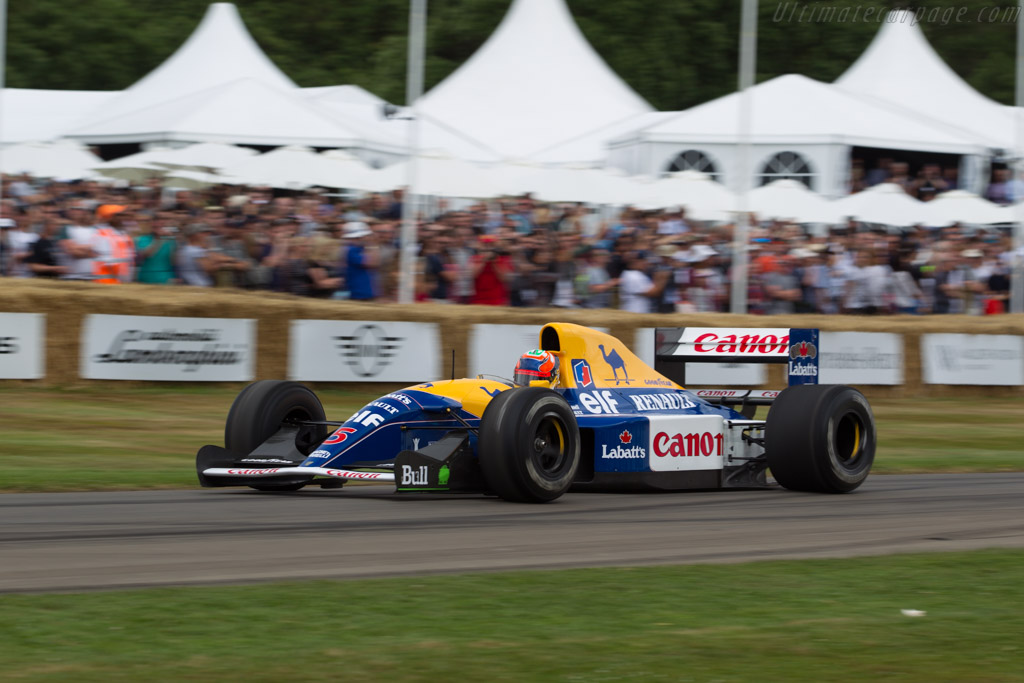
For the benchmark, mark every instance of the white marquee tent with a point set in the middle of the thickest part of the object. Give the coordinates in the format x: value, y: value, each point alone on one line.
x: 901, y: 68
x: 534, y: 83
x: 802, y: 128
x: 63, y: 160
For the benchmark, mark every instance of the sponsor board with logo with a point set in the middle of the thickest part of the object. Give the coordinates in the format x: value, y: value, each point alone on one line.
x: 22, y: 345
x: 704, y: 374
x: 364, y: 351
x: 494, y: 349
x: 679, y: 443
x: 137, y: 347
x: 861, y: 358
x: 976, y: 359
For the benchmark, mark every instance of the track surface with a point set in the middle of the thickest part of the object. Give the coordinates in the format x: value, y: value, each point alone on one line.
x: 113, y: 540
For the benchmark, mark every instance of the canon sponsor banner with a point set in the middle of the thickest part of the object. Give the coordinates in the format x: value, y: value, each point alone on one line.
x: 976, y: 359
x: 364, y: 351
x: 704, y: 374
x: 860, y: 358
x: 494, y: 349
x: 138, y: 347
x: 22, y: 345
x: 687, y: 443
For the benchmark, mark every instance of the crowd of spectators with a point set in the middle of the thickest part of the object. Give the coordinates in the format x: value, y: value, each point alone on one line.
x: 514, y: 252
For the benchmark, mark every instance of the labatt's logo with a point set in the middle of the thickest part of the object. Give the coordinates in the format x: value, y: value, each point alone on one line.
x: 799, y: 355
x: 749, y: 344
x: 623, y: 450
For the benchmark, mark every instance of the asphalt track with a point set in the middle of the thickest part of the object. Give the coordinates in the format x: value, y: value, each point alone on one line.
x: 84, y: 541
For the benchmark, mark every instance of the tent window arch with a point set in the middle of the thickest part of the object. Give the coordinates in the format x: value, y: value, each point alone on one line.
x: 693, y: 160
x: 786, y: 166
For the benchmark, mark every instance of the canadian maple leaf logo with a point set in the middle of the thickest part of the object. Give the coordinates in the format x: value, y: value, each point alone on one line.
x: 625, y: 437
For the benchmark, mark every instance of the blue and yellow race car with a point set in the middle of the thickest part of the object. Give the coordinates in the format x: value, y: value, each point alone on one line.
x: 582, y: 413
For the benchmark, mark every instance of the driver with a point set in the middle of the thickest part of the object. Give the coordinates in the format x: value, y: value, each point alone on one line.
x: 536, y: 366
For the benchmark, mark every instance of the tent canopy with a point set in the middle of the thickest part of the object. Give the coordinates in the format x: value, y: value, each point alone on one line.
x: 219, y: 51
x: 900, y: 67
x: 534, y: 83
x: 795, y: 109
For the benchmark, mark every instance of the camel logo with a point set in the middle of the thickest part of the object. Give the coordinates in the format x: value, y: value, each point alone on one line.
x: 615, y: 362
x: 368, y: 350
x: 581, y: 372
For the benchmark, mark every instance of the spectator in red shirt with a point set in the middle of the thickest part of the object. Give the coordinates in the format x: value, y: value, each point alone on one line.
x: 491, y: 270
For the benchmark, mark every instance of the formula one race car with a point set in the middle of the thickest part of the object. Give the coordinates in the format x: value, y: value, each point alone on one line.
x: 601, y: 419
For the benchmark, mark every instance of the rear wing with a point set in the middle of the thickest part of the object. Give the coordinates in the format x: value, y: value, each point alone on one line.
x: 674, y: 347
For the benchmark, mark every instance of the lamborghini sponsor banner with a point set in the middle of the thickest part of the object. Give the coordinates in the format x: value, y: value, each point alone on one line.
x: 704, y: 374
x: 22, y: 345
x: 364, y: 351
x: 138, y: 347
x: 860, y: 358
x: 494, y: 349
x: 977, y: 359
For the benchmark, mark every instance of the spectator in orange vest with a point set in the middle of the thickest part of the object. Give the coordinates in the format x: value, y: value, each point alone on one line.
x: 114, y: 249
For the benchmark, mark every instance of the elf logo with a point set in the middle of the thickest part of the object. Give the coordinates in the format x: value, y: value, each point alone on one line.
x: 599, y: 402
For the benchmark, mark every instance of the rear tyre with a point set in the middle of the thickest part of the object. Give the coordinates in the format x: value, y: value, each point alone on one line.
x: 820, y: 438
x: 261, y: 409
x: 529, y: 445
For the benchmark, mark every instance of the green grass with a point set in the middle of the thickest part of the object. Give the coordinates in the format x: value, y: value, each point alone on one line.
x: 146, y: 437
x: 816, y: 620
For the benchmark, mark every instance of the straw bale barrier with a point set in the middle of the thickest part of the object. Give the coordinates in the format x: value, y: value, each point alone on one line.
x: 66, y: 303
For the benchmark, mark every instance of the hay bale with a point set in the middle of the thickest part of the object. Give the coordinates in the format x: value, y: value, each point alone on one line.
x: 66, y: 303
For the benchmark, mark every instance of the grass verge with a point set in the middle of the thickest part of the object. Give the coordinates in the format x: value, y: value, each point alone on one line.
x: 146, y: 437
x: 774, y: 621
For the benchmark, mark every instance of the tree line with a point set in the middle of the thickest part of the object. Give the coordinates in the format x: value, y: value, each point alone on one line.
x: 674, y: 53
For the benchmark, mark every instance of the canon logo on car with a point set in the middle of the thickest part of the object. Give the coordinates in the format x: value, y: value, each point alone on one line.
x: 749, y: 344
x: 689, y: 445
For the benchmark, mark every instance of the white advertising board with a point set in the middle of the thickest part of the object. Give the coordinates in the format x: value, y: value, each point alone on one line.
x: 704, y: 374
x: 138, y: 347
x: 494, y: 349
x: 22, y: 345
x: 975, y: 359
x: 859, y: 358
x: 364, y: 351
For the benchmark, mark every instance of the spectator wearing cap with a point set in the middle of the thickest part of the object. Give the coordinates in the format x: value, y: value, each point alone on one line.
x: 361, y: 260
x: 114, y: 249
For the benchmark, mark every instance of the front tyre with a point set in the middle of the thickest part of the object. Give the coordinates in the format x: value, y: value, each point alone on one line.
x: 820, y: 438
x: 529, y: 445
x: 262, y: 408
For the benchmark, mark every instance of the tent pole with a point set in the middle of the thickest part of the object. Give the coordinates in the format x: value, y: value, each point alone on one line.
x: 1017, y: 275
x: 747, y: 69
x: 3, y: 70
x: 410, y: 204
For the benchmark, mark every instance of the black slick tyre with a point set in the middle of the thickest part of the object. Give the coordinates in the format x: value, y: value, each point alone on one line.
x: 262, y: 408
x: 529, y: 445
x: 820, y: 438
